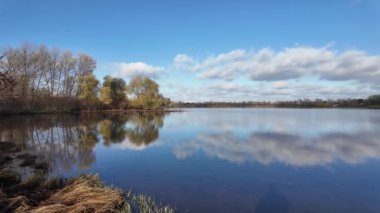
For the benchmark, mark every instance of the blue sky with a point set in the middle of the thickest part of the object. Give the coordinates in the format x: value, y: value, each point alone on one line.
x: 215, y: 50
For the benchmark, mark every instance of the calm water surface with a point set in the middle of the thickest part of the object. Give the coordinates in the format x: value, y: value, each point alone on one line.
x: 220, y: 160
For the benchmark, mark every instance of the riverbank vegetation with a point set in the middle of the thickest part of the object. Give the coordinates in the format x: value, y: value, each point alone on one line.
x: 26, y: 187
x: 36, y: 79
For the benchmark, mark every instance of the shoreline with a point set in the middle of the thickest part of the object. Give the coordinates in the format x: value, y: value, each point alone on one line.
x: 277, y: 107
x: 92, y: 111
x: 37, y: 193
x: 176, y: 109
x: 132, y: 110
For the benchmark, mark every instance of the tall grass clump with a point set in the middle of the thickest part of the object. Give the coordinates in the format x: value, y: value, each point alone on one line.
x: 142, y: 204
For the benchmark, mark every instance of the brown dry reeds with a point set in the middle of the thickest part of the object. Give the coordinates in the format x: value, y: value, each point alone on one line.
x: 82, y: 194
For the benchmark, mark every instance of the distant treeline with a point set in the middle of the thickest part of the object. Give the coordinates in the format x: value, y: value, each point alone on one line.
x: 370, y: 102
x: 35, y: 79
x: 211, y: 104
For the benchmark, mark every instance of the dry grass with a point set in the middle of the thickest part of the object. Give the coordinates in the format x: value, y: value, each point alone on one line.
x: 142, y: 204
x: 82, y: 194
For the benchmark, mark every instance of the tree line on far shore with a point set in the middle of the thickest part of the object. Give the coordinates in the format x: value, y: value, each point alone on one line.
x: 372, y: 101
x: 40, y: 79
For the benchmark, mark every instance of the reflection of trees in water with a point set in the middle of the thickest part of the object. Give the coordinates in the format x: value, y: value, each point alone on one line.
x: 67, y: 141
x: 87, y: 139
x: 113, y: 131
x: 64, y: 141
x: 139, y: 128
x: 144, y: 128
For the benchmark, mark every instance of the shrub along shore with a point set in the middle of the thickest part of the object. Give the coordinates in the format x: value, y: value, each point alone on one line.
x: 59, y: 105
x: 37, y: 193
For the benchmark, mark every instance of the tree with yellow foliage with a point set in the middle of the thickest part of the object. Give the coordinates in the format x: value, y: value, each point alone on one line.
x: 113, y: 91
x: 89, y: 88
x: 145, y: 94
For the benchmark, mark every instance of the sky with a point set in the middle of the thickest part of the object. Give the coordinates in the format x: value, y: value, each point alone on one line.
x: 215, y: 50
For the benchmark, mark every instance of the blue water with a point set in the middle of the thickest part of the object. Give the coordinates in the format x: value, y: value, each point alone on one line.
x: 229, y: 160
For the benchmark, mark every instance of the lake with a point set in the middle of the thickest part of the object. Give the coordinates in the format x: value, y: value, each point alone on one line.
x: 219, y: 160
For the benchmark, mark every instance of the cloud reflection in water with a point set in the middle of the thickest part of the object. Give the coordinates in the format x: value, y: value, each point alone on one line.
x: 290, y: 149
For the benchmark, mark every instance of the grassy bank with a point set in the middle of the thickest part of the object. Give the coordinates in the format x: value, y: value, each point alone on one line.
x: 38, y: 193
x: 86, y: 193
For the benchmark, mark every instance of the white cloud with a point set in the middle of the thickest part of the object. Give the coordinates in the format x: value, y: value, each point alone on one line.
x: 226, y: 65
x: 185, y: 62
x: 241, y: 75
x: 280, y: 85
x: 183, y: 59
x: 279, y: 90
x: 289, y: 63
x: 225, y: 58
x: 137, y: 68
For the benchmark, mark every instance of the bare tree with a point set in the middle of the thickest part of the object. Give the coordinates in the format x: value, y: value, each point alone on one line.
x: 40, y: 71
